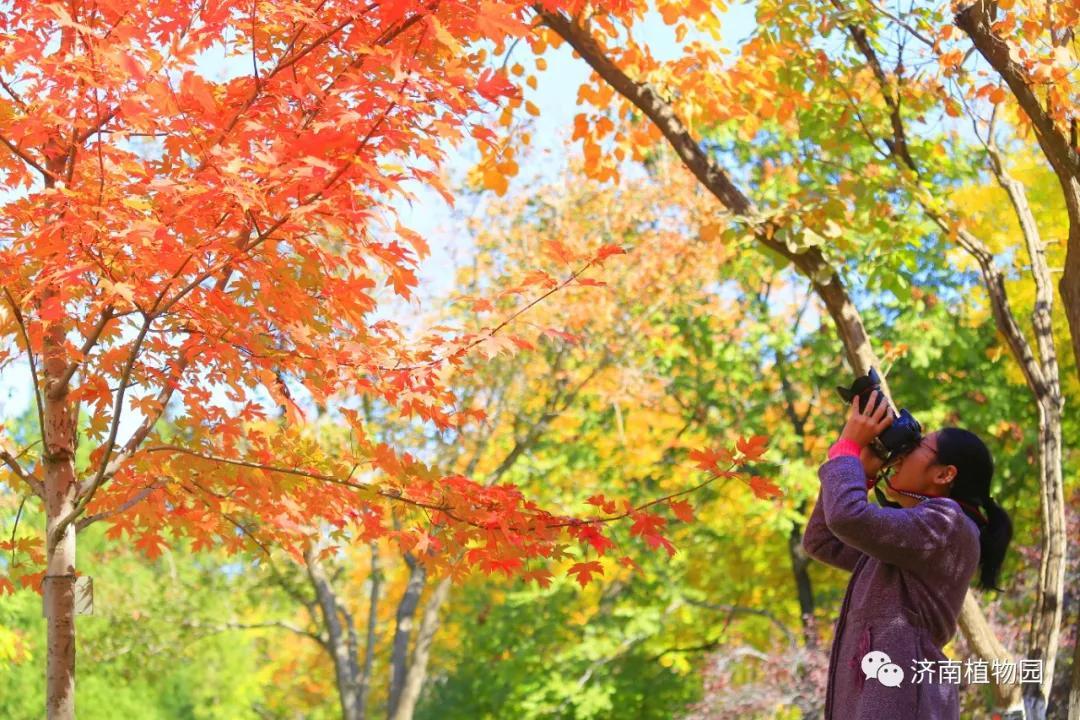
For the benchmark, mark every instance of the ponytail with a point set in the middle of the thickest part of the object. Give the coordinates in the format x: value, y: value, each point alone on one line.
x: 971, y: 489
x: 994, y: 540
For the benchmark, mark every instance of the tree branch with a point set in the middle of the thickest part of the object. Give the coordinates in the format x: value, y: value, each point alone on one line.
x: 733, y: 610
x: 61, y: 384
x: 274, y: 624
x: 993, y: 278
x: 34, y: 483
x: 123, y: 507
x: 810, y: 261
x: 110, y: 444
x: 46, y: 174
x: 974, y: 20
x: 1042, y: 313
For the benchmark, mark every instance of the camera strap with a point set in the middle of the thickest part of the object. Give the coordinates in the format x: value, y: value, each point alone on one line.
x: 884, y: 501
x: 972, y: 511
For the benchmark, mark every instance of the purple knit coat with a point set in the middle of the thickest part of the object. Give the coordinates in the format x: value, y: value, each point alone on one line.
x: 910, y: 569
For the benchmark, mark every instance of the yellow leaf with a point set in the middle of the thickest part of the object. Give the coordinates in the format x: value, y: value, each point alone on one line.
x: 444, y: 37
x: 136, y: 203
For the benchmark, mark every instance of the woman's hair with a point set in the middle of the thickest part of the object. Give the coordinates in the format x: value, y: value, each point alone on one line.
x: 974, y: 469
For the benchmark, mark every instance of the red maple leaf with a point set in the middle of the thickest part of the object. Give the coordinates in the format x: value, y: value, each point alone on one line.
x: 494, y: 85
x: 585, y: 571
x: 542, y: 576
x: 603, y: 503
x: 655, y: 540
x: 646, y: 523
x: 593, y: 535
x: 52, y: 309
x: 151, y: 543
x: 505, y: 565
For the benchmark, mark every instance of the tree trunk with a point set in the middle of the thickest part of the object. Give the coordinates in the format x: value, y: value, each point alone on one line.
x: 342, y: 651
x: 982, y: 641
x: 1043, y: 381
x: 1045, y: 636
x: 1042, y: 376
x: 58, y: 458
x: 1069, y: 286
x: 417, y: 672
x: 406, y: 612
x: 372, y: 623
x: 800, y: 561
x: 976, y: 20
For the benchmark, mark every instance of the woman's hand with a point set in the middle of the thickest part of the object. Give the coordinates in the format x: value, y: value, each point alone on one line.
x: 862, y: 427
x: 871, y: 463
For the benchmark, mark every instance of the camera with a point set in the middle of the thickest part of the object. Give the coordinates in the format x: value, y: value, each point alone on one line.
x: 897, y: 440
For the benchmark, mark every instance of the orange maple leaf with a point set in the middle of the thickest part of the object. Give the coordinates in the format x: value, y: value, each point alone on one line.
x: 542, y: 576
x: 682, y: 510
x: 752, y: 448
x: 607, y: 251
x: 765, y: 488
x: 709, y: 460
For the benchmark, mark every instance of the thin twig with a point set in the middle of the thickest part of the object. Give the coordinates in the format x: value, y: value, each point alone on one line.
x: 122, y: 507
x: 30, y: 357
x: 15, y: 528
x: 638, y: 508
x: 369, y: 489
x: 14, y: 95
x: 272, y: 624
x: 919, y: 36
x: 491, y: 333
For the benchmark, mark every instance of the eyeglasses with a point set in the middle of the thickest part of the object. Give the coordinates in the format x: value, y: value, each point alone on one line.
x: 922, y: 443
x: 931, y: 448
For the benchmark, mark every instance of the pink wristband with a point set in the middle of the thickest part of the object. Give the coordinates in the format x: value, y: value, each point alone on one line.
x: 844, y: 446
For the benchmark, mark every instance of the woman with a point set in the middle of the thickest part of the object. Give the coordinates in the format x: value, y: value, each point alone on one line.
x: 911, y: 564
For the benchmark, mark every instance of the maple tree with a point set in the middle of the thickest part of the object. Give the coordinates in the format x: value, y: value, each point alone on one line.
x: 173, y: 240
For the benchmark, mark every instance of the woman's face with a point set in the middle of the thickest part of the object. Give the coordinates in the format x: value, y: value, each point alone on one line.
x: 920, y: 472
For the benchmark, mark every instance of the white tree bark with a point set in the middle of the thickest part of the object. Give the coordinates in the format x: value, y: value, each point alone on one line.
x: 58, y: 457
